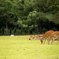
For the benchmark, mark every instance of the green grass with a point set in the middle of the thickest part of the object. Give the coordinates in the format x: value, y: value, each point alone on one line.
x: 19, y: 47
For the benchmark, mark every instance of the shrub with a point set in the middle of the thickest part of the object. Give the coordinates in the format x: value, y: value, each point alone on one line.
x: 55, y: 29
x: 44, y: 30
x: 18, y: 31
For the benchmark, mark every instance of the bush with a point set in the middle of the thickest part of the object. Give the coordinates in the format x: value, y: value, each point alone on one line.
x: 55, y: 29
x: 2, y: 31
x: 44, y: 30
x: 18, y: 31
x: 8, y: 31
x: 12, y: 31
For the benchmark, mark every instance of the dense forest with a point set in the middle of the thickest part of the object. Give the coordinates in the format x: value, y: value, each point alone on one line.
x: 28, y: 16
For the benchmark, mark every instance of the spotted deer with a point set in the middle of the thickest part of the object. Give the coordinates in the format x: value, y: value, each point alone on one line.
x: 51, y: 35
x: 32, y: 37
x: 46, y: 36
x: 54, y: 36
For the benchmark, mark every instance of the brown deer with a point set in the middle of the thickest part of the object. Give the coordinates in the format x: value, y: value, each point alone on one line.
x: 46, y: 36
x: 32, y: 37
x: 39, y: 38
x: 51, y: 35
x: 54, y: 36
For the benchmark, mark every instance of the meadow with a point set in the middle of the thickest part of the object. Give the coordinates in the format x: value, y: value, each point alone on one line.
x: 19, y: 47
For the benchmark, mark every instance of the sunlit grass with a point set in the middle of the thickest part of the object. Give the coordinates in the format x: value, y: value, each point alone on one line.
x: 19, y: 47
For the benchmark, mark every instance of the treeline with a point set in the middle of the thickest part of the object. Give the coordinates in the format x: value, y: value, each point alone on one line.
x: 28, y: 16
x: 29, y: 30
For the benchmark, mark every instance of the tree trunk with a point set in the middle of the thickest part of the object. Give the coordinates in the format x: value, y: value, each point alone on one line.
x: 37, y: 30
x: 39, y: 25
x: 6, y: 28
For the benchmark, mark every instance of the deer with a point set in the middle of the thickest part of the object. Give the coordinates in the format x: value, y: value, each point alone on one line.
x: 54, y: 36
x: 46, y: 36
x: 39, y: 38
x: 50, y: 35
x: 32, y: 37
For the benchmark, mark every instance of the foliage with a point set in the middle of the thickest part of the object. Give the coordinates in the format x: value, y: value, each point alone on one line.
x: 44, y: 30
x: 27, y: 13
x: 55, y: 29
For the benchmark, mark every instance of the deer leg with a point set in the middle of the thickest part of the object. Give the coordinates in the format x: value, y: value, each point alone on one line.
x: 48, y: 41
x: 41, y: 41
x: 53, y: 41
x: 58, y: 40
x: 44, y: 41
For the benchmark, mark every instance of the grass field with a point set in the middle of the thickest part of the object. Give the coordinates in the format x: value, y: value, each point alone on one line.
x: 19, y: 47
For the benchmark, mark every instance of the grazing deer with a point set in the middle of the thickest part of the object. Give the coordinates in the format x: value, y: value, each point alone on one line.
x: 46, y: 36
x: 39, y: 38
x: 51, y: 35
x: 30, y: 38
x: 34, y: 37
x: 55, y: 36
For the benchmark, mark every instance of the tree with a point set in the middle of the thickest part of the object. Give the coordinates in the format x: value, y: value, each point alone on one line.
x: 28, y: 14
x: 7, y: 14
x: 36, y: 17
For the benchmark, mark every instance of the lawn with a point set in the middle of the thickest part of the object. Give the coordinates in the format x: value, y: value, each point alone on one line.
x: 19, y: 47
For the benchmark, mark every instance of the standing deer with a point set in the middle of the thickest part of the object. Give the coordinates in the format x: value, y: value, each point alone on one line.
x: 54, y: 36
x: 46, y: 36
x: 51, y: 35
